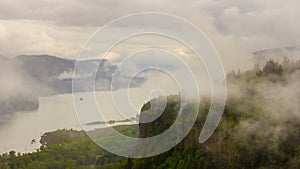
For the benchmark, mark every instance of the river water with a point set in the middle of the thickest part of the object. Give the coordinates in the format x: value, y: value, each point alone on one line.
x: 21, y: 131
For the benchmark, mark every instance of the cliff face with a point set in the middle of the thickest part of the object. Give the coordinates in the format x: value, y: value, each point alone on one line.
x: 166, y: 116
x: 165, y: 119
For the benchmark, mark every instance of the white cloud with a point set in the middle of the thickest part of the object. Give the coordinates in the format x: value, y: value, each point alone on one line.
x: 61, y: 27
x: 113, y: 57
x: 19, y: 37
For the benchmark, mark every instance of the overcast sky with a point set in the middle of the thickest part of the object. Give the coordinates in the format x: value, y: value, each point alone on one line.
x: 61, y: 28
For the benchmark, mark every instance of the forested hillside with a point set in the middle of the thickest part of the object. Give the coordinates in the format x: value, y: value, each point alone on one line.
x: 260, y: 128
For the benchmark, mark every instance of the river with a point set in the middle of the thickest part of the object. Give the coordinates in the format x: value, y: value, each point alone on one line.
x: 21, y: 131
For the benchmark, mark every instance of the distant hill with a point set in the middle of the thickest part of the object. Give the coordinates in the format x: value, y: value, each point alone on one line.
x: 45, y: 75
x: 278, y: 54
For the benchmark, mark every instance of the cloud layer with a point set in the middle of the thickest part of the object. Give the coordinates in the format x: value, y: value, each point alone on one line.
x: 62, y: 27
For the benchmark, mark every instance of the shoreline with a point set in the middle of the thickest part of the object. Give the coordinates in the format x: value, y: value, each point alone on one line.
x: 38, y: 141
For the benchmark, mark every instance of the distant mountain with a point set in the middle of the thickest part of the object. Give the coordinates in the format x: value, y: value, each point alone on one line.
x: 57, y: 73
x: 45, y: 69
x: 278, y: 54
x: 45, y: 75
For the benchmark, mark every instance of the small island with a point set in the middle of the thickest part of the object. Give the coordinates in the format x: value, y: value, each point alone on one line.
x: 132, y: 119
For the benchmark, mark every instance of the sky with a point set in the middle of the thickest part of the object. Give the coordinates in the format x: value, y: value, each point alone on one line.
x: 61, y: 28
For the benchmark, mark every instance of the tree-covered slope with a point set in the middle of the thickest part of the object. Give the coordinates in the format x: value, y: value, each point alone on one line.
x: 260, y: 128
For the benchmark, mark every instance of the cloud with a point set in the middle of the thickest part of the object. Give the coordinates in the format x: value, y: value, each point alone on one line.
x: 260, y: 24
x: 18, y: 90
x: 19, y: 37
x: 61, y: 28
x: 113, y: 57
x: 11, y: 80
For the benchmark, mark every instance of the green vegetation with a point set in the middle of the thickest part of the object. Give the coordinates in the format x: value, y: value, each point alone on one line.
x: 64, y: 149
x: 260, y: 129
